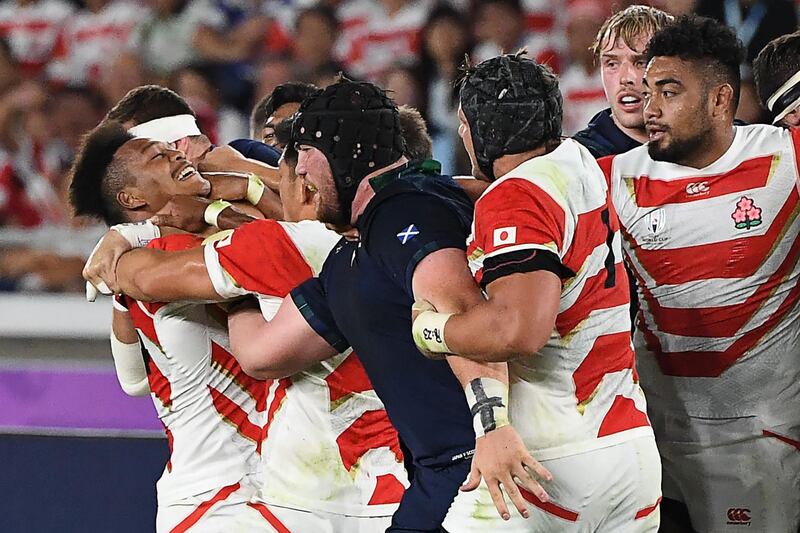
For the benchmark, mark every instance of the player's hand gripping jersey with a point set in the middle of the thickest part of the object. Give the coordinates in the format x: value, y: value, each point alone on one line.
x: 554, y: 212
x: 328, y: 443
x: 716, y: 251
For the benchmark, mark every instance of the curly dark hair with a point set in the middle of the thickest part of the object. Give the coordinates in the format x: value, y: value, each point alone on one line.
x: 96, y: 177
x: 704, y: 41
x: 778, y: 61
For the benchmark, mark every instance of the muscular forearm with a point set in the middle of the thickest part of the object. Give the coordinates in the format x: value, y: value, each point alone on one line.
x: 486, y: 333
x: 155, y: 275
x: 277, y: 348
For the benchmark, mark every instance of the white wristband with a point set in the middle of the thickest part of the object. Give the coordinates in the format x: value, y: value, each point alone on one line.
x: 255, y: 189
x: 213, y: 210
x: 428, y: 331
x: 488, y: 403
x: 138, y: 234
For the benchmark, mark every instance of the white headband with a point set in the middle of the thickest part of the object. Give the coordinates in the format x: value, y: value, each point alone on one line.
x: 167, y: 129
x: 790, y: 83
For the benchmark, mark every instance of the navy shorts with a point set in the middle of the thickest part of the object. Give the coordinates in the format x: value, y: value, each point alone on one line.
x: 426, y: 502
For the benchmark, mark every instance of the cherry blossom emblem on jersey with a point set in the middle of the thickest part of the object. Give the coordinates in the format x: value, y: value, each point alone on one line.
x: 747, y: 215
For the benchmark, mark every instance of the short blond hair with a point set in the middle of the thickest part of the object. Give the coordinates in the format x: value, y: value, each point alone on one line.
x: 629, y: 24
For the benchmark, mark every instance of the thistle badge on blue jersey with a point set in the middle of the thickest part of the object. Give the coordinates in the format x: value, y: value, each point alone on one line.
x: 407, y: 234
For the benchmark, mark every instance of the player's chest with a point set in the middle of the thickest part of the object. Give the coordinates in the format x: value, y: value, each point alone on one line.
x: 361, y: 292
x: 701, y: 218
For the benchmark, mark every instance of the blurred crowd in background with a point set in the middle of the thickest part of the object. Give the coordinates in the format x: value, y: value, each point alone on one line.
x: 64, y: 63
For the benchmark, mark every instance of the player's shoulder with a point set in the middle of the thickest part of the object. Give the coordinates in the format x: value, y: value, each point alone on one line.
x: 636, y: 160
x: 312, y: 239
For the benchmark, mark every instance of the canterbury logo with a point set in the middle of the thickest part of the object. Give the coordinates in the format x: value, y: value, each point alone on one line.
x: 739, y: 516
x: 697, y: 188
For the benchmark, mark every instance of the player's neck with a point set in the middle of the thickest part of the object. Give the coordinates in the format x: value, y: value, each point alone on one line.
x: 364, y: 192
x: 718, y: 144
x: 505, y: 164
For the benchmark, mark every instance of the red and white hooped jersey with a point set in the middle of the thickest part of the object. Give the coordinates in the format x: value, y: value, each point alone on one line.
x: 715, y: 252
x: 328, y: 443
x: 213, y: 412
x: 580, y: 392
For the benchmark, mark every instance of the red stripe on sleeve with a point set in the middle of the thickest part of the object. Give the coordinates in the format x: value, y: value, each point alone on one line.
x: 262, y: 258
x: 516, y: 212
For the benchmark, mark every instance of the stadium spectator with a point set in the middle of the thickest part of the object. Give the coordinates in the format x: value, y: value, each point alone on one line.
x: 501, y: 26
x: 377, y: 35
x: 165, y: 38
x: 316, y: 31
x: 446, y: 39
x: 580, y: 82
x: 91, y: 39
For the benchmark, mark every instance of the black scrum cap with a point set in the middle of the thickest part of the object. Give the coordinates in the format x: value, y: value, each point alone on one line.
x: 512, y: 105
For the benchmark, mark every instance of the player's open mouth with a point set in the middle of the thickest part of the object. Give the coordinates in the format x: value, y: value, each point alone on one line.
x: 655, y: 132
x: 630, y: 102
x: 186, y: 173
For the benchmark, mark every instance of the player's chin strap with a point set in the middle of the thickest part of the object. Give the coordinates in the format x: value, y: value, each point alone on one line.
x: 167, y: 129
x: 488, y: 403
x: 786, y: 99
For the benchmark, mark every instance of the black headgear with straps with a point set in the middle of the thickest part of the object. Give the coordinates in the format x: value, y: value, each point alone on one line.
x: 512, y: 105
x: 356, y: 126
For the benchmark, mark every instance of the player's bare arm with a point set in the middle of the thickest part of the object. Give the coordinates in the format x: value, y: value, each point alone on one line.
x: 518, y: 324
x: 443, y: 278
x: 276, y: 348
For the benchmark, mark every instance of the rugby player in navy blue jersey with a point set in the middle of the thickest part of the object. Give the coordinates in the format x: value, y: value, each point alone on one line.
x: 406, y: 227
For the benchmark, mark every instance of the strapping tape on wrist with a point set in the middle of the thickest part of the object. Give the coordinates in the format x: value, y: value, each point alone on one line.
x: 488, y: 403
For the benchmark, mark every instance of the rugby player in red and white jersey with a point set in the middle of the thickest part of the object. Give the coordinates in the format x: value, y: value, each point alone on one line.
x: 212, y: 412
x: 709, y: 217
x: 329, y: 457
x: 545, y: 247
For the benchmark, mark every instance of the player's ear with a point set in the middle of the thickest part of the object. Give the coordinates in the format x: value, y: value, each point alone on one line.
x: 793, y: 118
x: 129, y: 199
x: 722, y: 99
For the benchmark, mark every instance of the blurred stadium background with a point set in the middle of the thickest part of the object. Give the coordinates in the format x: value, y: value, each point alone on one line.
x: 78, y: 454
